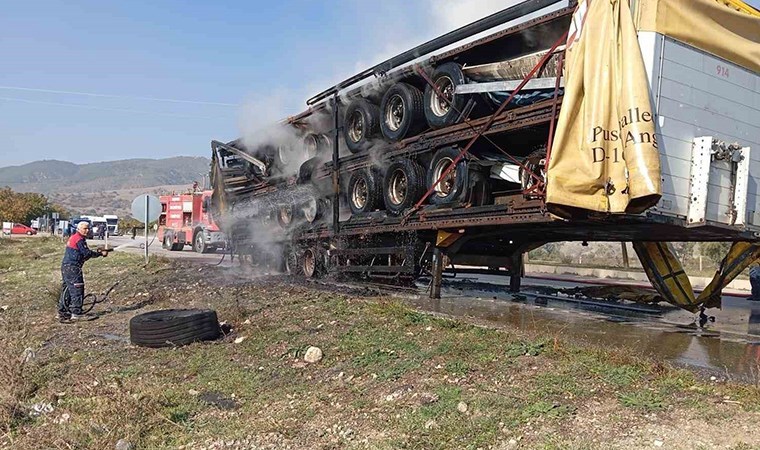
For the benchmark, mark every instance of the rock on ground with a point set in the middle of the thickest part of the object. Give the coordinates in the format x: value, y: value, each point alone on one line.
x: 313, y: 355
x: 123, y: 444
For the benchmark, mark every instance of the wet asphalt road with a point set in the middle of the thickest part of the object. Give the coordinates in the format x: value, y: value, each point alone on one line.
x: 137, y: 246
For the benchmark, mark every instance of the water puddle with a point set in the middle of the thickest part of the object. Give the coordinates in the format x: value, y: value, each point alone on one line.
x: 727, y: 348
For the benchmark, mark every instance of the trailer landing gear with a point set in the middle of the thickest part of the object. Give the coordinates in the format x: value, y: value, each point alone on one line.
x: 435, y: 284
x: 516, y: 272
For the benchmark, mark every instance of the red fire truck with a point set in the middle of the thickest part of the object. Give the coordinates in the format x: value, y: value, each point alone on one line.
x: 185, y: 220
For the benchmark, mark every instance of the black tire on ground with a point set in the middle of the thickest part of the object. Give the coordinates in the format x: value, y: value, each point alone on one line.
x: 199, y: 244
x: 177, y: 246
x: 403, y: 185
x: 401, y: 112
x: 450, y: 189
x: 361, y: 124
x: 438, y: 112
x: 173, y: 327
x: 364, y: 191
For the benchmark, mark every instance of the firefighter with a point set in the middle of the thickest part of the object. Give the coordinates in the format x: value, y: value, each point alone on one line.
x: 77, y: 252
x: 754, y: 281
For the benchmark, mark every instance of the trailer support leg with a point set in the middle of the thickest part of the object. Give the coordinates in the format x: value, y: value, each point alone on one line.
x: 435, y: 286
x: 516, y: 272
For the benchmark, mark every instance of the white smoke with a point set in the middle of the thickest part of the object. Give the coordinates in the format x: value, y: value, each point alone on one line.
x: 260, y: 119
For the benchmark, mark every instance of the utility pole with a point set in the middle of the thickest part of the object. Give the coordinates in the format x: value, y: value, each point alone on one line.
x: 147, y: 204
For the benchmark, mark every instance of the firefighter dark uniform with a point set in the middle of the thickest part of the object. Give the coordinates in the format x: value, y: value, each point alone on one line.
x: 754, y: 281
x: 74, y: 258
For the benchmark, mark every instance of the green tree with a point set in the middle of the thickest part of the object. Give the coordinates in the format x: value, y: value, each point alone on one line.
x: 22, y: 207
x: 715, y: 251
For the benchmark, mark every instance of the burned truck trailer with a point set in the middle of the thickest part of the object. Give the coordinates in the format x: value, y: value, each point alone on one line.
x: 494, y: 145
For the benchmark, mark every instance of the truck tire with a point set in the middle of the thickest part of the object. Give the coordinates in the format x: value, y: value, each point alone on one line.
x: 401, y: 112
x: 361, y: 125
x: 403, y: 185
x: 364, y: 191
x: 285, y: 216
x: 199, y: 244
x: 312, y: 262
x: 285, y: 156
x: 438, y: 112
x: 292, y: 261
x: 166, y: 244
x: 450, y: 189
x: 313, y: 209
x: 173, y: 327
x: 317, y: 144
x: 535, y: 162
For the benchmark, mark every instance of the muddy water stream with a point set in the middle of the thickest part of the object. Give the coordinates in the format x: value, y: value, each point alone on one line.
x: 728, y: 348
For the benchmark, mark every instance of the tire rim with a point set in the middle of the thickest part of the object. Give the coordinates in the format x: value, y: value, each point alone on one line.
x: 283, y: 153
x: 356, y: 126
x: 285, y: 215
x: 444, y: 188
x: 439, y: 106
x: 311, y: 144
x: 537, y: 166
x: 288, y: 269
x: 309, y: 262
x: 394, y: 112
x: 359, y: 193
x: 310, y: 210
x: 398, y: 187
x: 199, y: 241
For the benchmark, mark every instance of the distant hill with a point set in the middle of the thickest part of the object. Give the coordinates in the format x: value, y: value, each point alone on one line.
x: 51, y: 176
x: 105, y: 187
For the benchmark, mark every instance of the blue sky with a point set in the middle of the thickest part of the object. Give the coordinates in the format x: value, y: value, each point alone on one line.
x: 268, y: 56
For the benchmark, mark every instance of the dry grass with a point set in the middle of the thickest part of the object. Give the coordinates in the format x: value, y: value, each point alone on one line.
x: 392, y: 377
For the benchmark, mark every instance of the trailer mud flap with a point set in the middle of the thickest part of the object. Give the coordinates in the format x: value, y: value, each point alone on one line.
x: 665, y: 272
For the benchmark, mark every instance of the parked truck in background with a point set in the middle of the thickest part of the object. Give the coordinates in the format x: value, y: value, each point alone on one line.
x: 113, y: 224
x: 185, y: 220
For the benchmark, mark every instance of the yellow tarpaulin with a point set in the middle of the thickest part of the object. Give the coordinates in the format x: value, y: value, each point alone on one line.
x: 731, y: 32
x: 666, y: 274
x: 604, y: 156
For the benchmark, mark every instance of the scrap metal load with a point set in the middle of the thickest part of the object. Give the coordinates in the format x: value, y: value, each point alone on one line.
x: 568, y: 122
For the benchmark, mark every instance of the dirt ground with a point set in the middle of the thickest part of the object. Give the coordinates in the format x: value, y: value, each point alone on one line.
x: 391, y: 377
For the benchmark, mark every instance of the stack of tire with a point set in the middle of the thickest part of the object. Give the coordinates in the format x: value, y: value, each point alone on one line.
x: 404, y: 112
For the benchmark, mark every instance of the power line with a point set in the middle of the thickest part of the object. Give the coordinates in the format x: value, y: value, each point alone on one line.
x: 75, y: 105
x: 92, y: 94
